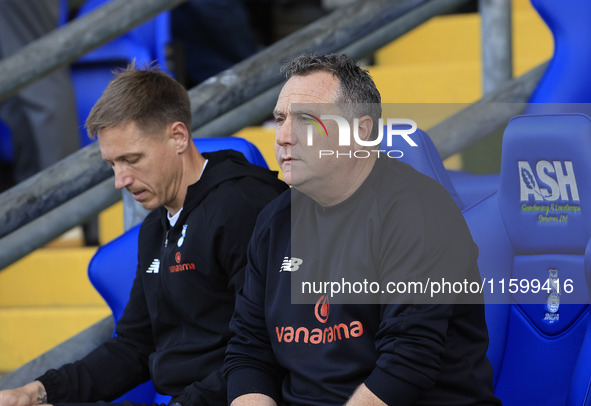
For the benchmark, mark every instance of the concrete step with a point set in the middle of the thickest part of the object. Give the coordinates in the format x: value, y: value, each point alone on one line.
x: 45, y: 298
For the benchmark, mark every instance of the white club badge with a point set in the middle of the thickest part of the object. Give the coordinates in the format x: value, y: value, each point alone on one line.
x: 182, y: 237
x: 553, y: 300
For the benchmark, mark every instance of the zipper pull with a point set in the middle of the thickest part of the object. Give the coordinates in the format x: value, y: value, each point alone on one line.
x: 166, y: 239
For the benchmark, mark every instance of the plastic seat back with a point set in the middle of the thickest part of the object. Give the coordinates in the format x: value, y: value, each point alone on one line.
x: 424, y: 158
x: 533, y: 236
x: 566, y: 79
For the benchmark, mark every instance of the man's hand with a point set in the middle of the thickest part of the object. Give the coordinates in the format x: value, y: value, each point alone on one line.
x: 28, y: 395
x: 252, y: 399
x: 364, y: 397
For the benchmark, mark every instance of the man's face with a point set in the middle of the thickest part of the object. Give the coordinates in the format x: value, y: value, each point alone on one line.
x: 300, y: 163
x: 147, y: 166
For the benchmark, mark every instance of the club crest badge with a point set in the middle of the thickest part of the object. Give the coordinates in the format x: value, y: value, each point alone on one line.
x: 553, y: 301
x: 182, y: 237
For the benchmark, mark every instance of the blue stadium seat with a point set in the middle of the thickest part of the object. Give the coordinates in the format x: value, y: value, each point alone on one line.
x: 105, y: 267
x: 471, y: 187
x: 6, y: 154
x: 424, y: 158
x: 566, y: 79
x: 93, y: 71
x: 537, y: 228
x: 464, y: 187
x: 579, y: 393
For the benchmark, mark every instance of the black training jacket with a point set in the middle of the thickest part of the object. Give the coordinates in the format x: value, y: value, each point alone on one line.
x: 315, y: 346
x: 175, y: 326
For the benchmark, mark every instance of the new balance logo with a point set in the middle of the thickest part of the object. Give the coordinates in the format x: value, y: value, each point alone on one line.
x: 154, y: 267
x: 290, y: 264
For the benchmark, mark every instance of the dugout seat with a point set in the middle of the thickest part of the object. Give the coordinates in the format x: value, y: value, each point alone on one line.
x: 537, y: 226
x: 579, y: 393
x: 106, y: 268
x: 464, y: 187
x: 424, y: 158
x: 566, y: 79
x: 472, y: 188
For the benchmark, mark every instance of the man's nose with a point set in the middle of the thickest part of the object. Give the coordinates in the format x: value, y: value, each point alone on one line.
x: 122, y: 177
x: 283, y: 134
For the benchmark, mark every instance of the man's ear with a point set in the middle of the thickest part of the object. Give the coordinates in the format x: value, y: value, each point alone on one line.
x: 365, y: 126
x: 180, y: 135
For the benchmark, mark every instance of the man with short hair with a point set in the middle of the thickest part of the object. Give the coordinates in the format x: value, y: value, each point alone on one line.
x: 192, y: 251
x: 351, y: 218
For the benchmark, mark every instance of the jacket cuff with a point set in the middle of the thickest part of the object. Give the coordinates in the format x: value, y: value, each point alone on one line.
x: 391, y: 389
x: 244, y: 380
x: 50, y: 383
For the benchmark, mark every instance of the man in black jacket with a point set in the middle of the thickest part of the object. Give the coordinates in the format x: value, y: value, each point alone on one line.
x: 353, y: 219
x: 192, y: 251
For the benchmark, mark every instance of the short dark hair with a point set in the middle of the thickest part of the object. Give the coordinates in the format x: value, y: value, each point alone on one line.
x: 356, y: 85
x: 147, y: 96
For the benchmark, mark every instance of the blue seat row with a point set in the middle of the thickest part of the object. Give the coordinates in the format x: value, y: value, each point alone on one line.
x: 533, y: 232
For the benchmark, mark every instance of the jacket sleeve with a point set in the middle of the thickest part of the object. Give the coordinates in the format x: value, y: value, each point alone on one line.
x: 410, y: 342
x: 210, y: 391
x: 250, y: 365
x: 113, y: 368
x: 429, y: 243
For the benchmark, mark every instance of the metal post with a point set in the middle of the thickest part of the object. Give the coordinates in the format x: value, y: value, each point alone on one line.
x: 40, y: 231
x: 497, y: 59
x: 52, y: 187
x: 485, y: 116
